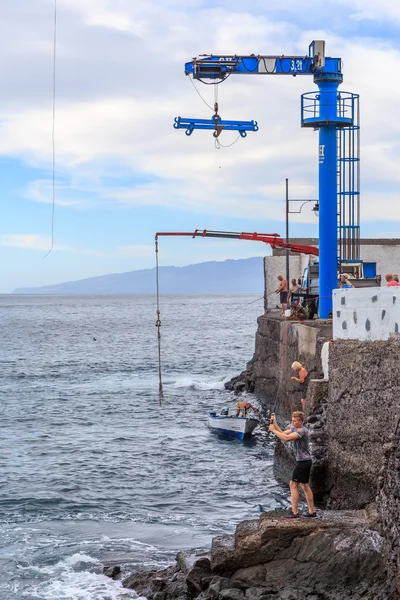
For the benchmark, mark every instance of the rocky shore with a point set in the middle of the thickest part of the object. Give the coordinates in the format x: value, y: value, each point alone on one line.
x: 335, y: 557
x: 353, y: 549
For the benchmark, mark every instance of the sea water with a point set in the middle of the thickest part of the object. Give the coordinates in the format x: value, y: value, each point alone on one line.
x: 94, y: 470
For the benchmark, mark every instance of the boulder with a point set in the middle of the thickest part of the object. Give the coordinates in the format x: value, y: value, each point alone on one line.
x: 113, y: 571
x: 337, y: 556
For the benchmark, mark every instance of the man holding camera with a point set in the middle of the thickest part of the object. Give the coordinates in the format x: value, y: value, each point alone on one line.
x: 299, y: 436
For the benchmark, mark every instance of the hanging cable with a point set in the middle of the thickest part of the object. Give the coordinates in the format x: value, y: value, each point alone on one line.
x: 53, y: 130
x: 158, y: 325
x: 218, y: 144
x: 205, y: 102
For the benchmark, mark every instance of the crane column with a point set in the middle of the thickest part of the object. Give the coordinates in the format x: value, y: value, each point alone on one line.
x: 328, y: 110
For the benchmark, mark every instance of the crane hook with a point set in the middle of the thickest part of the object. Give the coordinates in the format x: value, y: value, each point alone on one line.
x: 218, y: 129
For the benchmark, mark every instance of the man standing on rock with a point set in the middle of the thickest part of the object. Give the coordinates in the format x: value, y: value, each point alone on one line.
x: 299, y: 435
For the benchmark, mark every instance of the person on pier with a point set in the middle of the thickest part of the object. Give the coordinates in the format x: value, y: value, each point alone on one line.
x: 345, y: 282
x: 301, y: 371
x: 390, y: 281
x: 298, y: 312
x: 299, y: 436
x: 282, y: 290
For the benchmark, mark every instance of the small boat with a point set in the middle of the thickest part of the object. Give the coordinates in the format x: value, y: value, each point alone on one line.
x: 231, y: 425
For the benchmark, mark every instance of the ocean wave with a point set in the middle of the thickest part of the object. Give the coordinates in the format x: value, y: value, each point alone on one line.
x: 193, y: 383
x: 82, y: 585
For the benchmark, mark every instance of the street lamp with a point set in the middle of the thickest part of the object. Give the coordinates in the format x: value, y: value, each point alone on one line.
x: 315, y: 209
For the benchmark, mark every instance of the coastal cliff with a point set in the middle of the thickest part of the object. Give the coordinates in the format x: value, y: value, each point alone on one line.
x: 352, y: 550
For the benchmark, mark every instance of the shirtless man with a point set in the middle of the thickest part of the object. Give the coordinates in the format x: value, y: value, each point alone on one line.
x: 243, y: 407
x: 283, y: 293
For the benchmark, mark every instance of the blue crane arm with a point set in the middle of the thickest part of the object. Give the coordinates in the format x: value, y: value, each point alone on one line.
x: 219, y: 67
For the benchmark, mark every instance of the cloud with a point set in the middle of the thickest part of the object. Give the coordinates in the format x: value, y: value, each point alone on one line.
x: 369, y: 10
x: 26, y: 241
x: 120, y: 83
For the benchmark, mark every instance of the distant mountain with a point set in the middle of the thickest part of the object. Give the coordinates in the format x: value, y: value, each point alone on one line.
x: 243, y: 275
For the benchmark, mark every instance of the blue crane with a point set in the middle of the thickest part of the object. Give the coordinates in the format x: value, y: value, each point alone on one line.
x: 336, y: 116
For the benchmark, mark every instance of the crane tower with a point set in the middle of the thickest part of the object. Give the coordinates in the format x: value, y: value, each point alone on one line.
x: 335, y: 114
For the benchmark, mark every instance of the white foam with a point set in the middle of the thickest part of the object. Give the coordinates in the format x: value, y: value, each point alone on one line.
x: 196, y: 384
x: 64, y: 565
x: 81, y: 586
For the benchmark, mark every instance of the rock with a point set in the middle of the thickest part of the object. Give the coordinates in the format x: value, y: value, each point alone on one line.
x: 187, y: 560
x: 338, y: 556
x: 158, y: 585
x: 336, y: 551
x: 231, y: 594
x: 113, y: 571
x: 242, y: 382
x: 198, y: 577
x: 239, y: 386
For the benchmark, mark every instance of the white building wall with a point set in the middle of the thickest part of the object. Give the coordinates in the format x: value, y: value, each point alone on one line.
x: 274, y: 266
x: 366, y: 313
x: 387, y: 258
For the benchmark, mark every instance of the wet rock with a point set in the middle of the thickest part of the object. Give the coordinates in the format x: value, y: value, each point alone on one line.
x: 243, y: 382
x: 113, y: 572
x: 239, y: 386
x: 337, y: 556
x: 198, y: 577
x: 164, y: 584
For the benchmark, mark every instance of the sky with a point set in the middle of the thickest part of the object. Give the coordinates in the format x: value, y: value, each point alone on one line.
x: 123, y: 173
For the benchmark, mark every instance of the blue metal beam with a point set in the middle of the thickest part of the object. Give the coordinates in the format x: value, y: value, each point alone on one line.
x: 220, y: 67
x: 215, y: 123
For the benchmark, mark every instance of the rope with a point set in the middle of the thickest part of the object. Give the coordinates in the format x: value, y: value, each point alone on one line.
x: 53, y: 128
x: 218, y: 144
x: 158, y: 325
x: 205, y: 102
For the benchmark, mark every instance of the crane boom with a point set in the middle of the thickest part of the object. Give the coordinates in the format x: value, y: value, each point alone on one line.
x: 220, y: 67
x: 212, y: 66
x: 273, y: 239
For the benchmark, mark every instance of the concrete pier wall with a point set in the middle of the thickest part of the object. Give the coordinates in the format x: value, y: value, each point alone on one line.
x: 363, y: 409
x: 351, y: 416
x: 278, y: 344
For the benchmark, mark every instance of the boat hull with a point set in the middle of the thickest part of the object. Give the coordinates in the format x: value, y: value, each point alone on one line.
x: 238, y: 427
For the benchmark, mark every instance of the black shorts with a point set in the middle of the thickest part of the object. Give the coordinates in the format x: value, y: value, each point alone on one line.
x: 283, y: 297
x: 301, y: 472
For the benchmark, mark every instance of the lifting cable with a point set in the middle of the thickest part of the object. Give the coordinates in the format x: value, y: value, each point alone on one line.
x: 218, y: 144
x: 53, y: 129
x: 158, y: 325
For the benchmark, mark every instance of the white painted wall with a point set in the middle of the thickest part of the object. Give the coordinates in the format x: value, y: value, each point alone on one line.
x: 387, y: 258
x: 274, y: 266
x: 366, y: 313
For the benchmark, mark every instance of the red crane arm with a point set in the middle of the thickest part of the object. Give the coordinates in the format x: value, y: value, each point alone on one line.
x: 273, y: 239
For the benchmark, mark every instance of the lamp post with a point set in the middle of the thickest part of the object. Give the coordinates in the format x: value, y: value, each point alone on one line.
x: 315, y: 209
